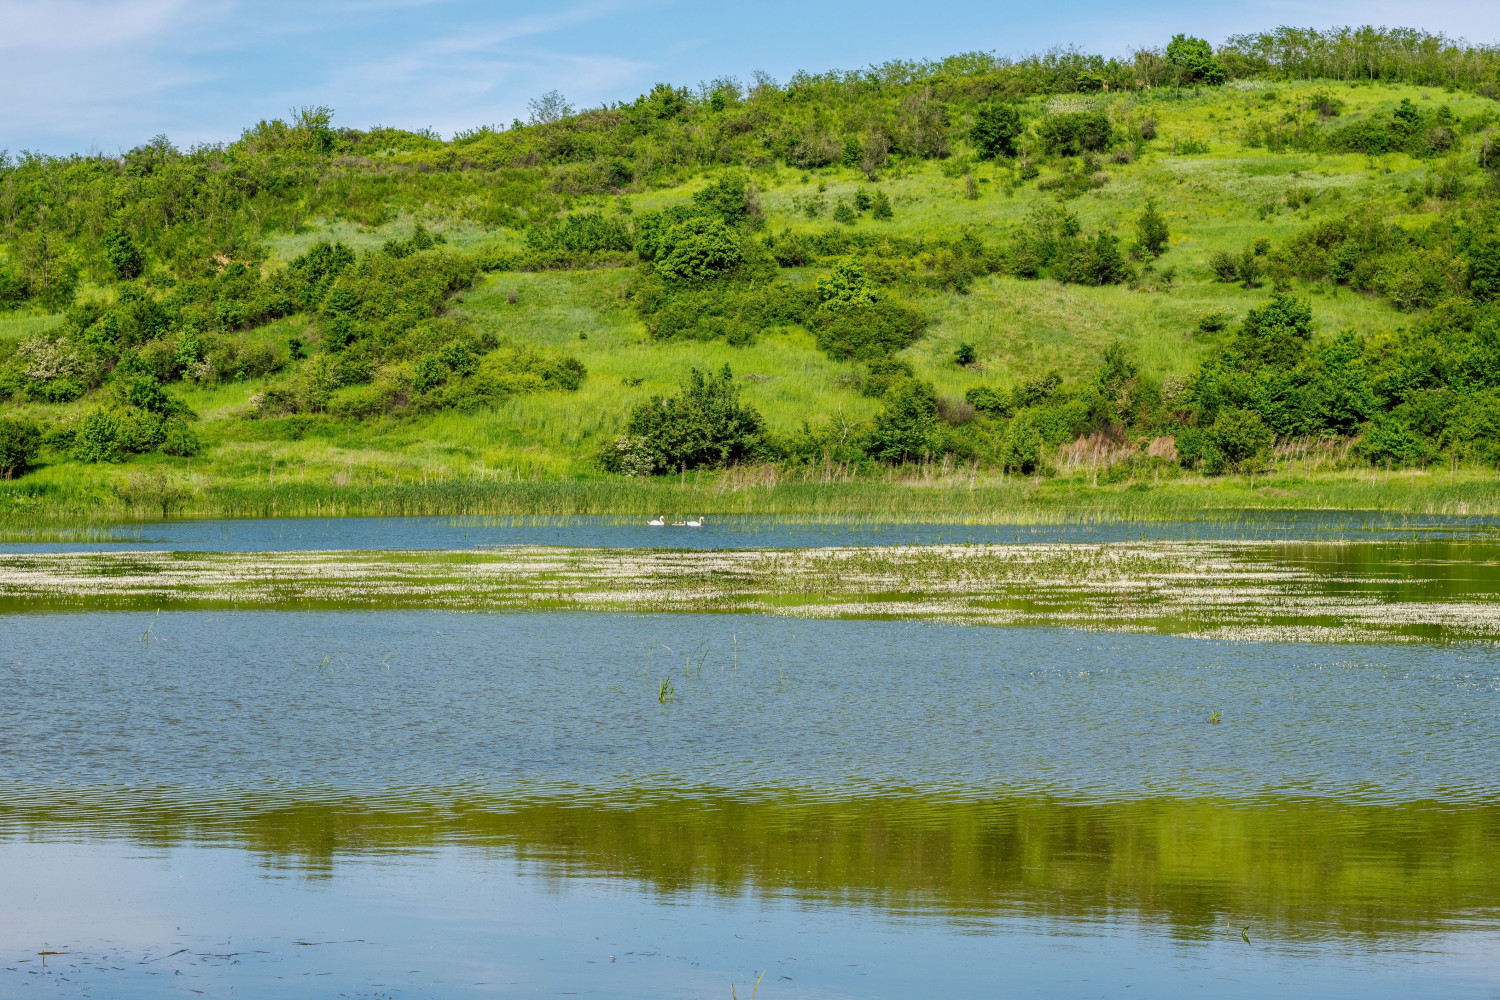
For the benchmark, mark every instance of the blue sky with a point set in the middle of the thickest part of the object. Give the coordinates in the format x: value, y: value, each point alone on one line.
x: 105, y: 75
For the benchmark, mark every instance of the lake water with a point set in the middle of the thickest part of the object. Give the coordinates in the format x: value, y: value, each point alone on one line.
x: 375, y: 533
x: 433, y: 804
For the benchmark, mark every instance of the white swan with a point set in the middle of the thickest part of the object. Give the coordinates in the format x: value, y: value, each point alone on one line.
x: 695, y: 524
x: 658, y: 522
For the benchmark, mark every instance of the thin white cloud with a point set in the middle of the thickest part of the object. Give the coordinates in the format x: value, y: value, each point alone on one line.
x: 64, y: 27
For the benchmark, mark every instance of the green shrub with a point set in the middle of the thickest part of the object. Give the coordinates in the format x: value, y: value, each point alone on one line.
x: 180, y: 440
x: 1483, y: 258
x: 698, y: 249
x: 847, y: 286
x: 1390, y: 440
x: 97, y: 439
x: 1036, y: 390
x: 729, y: 198
x: 1224, y: 265
x: 903, y: 431
x: 63, y: 389
x: 584, y: 233
x: 20, y: 440
x: 880, y: 207
x: 703, y: 426
x: 1213, y: 322
x: 1151, y: 234
x: 1275, y: 335
x: 121, y: 252
x: 420, y: 240
x: 1091, y: 262
x: 868, y: 331
x: 988, y: 400
x: 735, y: 312
x: 1071, y: 133
x: 997, y: 126
x: 965, y: 355
x: 312, y: 272
x: 1237, y: 439
x: 515, y: 369
x: 884, y: 374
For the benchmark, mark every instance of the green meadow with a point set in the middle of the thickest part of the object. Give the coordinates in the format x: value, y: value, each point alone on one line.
x: 538, y: 451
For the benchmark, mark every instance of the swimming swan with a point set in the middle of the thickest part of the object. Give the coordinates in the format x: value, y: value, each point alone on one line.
x: 695, y: 524
x: 658, y: 522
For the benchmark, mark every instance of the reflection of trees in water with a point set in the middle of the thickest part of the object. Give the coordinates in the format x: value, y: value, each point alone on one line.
x: 1299, y: 868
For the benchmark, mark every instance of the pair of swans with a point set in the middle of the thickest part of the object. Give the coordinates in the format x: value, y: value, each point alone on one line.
x: 659, y: 521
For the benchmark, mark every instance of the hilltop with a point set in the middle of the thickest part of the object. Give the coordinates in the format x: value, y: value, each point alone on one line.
x: 1196, y: 273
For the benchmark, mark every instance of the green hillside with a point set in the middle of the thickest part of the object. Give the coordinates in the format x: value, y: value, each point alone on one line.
x: 1199, y: 272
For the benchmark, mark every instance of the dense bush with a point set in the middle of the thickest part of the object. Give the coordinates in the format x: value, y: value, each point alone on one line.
x: 736, y: 313
x: 20, y: 441
x: 584, y: 233
x: 704, y: 425
x: 996, y: 128
x: 1091, y: 262
x: 867, y: 331
x: 1151, y: 234
x: 1072, y: 133
x: 697, y: 249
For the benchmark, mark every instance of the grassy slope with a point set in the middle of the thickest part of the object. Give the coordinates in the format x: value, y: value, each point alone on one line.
x: 1019, y: 327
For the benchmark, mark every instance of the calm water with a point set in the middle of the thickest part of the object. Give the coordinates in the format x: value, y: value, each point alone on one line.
x: 370, y: 533
x: 424, y: 804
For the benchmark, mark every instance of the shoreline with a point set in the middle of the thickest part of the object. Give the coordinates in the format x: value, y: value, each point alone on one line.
x: 159, y: 493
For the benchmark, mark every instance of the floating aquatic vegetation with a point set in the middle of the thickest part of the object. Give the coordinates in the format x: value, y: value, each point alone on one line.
x: 1315, y: 592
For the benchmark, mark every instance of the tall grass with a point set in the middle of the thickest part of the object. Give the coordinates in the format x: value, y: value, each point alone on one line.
x: 914, y: 494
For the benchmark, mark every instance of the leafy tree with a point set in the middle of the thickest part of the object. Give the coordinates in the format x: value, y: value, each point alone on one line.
x: 20, y: 440
x: 997, y: 126
x: 1276, y: 335
x: 550, y: 107
x: 125, y: 258
x: 98, y: 437
x: 1238, y: 437
x: 1484, y: 267
x: 1192, y: 59
x: 729, y: 197
x: 1151, y: 235
x: 1024, y: 440
x: 903, y: 430
x: 704, y: 425
x: 48, y: 268
x: 12, y: 286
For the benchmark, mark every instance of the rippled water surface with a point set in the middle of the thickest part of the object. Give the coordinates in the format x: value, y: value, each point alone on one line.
x: 433, y: 804
x: 370, y: 533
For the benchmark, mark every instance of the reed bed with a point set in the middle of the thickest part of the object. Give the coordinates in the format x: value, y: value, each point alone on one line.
x: 915, y: 494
